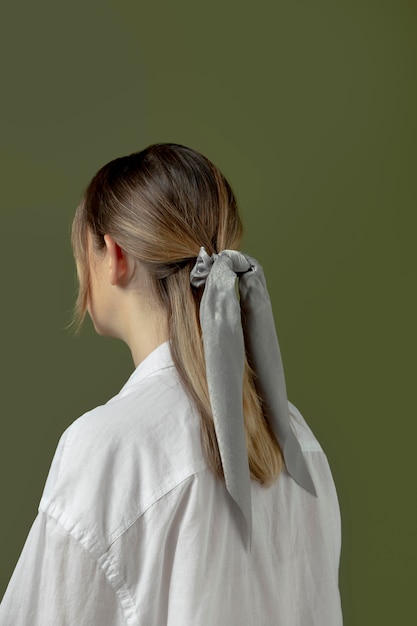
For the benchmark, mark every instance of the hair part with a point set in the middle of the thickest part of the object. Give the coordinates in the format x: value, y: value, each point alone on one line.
x: 161, y: 205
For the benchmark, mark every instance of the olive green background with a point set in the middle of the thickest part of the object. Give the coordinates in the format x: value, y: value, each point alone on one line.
x: 309, y: 108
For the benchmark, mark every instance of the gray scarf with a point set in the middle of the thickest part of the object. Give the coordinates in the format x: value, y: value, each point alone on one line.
x: 228, y: 328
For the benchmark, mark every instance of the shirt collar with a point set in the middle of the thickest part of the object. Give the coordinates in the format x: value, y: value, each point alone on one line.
x: 157, y: 360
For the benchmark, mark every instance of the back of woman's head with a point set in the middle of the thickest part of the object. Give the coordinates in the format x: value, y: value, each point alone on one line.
x: 161, y: 205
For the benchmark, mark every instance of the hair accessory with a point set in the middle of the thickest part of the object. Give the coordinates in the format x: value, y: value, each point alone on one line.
x: 227, y: 329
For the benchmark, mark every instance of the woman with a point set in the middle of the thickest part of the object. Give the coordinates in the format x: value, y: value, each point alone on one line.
x: 197, y: 495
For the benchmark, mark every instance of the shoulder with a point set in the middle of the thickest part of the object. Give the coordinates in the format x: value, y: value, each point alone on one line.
x: 115, y: 461
x: 317, y: 461
x: 303, y: 432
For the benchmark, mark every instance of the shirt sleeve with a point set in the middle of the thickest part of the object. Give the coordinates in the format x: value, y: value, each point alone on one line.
x: 57, y: 581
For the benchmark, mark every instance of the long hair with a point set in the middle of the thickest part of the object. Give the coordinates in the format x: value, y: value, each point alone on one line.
x: 161, y: 205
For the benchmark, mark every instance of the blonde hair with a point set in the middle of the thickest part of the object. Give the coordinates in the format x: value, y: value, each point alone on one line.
x: 161, y: 205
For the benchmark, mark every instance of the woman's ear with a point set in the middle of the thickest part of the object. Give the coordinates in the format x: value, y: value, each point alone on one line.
x: 118, y: 263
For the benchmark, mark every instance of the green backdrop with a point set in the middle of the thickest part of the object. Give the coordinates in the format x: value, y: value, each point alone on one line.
x: 309, y: 108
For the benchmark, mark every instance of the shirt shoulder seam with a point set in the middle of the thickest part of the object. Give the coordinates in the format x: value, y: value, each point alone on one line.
x: 103, y: 561
x: 152, y: 502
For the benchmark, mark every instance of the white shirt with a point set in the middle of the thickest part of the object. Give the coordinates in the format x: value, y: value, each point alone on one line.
x: 134, y: 529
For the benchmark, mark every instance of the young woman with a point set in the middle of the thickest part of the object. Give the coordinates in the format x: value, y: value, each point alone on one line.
x: 197, y: 495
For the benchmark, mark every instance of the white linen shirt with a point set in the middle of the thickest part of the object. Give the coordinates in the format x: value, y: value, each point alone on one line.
x: 134, y: 529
